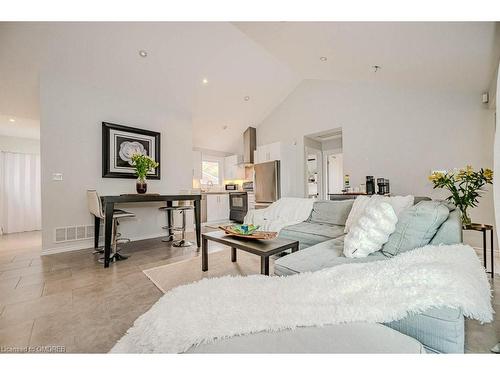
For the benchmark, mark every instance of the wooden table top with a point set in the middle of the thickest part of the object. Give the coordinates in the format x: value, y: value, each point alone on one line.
x: 478, y: 227
x: 151, y: 197
x: 258, y: 247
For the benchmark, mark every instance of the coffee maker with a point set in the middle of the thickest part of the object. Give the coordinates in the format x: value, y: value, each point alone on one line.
x: 383, y: 186
x: 370, y: 185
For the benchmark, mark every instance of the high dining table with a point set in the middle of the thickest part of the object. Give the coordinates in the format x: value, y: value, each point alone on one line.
x: 109, y: 202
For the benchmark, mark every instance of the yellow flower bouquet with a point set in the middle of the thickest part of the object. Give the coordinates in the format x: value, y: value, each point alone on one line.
x: 465, y: 187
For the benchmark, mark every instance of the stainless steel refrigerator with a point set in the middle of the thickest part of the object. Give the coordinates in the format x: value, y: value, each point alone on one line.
x: 267, y: 182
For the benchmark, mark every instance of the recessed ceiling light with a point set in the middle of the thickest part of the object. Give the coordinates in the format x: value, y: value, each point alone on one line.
x: 323, y: 58
x: 143, y: 53
x: 12, y: 120
x: 204, y: 81
x: 246, y: 98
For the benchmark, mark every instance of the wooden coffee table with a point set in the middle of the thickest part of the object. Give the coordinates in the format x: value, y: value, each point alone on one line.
x: 262, y: 248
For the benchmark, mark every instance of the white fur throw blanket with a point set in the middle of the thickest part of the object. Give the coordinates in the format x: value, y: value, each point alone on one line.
x: 282, y: 213
x: 432, y: 276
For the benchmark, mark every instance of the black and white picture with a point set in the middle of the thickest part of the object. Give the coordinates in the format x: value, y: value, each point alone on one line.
x: 120, y: 142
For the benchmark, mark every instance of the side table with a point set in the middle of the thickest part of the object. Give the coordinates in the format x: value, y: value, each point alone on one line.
x: 484, y: 228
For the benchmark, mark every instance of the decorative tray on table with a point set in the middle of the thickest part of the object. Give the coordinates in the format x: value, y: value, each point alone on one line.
x: 248, y: 231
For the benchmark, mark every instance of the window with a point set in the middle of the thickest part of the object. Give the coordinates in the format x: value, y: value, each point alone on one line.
x: 210, y: 172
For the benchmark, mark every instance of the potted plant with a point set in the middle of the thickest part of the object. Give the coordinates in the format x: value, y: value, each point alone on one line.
x: 465, y: 187
x: 142, y: 164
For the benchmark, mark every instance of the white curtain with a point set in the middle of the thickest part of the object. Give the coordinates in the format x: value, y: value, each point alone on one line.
x: 20, y: 197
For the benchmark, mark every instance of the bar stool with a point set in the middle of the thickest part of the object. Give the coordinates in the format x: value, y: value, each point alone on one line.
x: 95, y: 208
x: 183, y: 207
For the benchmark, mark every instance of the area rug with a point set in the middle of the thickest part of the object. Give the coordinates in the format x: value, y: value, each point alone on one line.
x: 219, y: 264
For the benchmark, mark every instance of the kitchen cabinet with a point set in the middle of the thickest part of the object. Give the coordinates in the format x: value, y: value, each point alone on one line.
x: 217, y: 207
x: 233, y: 168
x: 269, y: 152
x: 197, y: 161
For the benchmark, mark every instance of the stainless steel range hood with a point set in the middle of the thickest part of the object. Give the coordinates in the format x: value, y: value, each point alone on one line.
x: 249, y: 145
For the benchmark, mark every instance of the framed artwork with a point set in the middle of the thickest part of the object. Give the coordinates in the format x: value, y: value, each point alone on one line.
x: 120, y: 142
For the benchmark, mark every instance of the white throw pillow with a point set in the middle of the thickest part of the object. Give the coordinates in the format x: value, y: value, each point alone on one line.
x: 398, y: 203
x: 371, y: 231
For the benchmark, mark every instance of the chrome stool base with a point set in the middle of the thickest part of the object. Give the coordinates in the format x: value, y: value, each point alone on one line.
x: 182, y: 243
x: 116, y: 257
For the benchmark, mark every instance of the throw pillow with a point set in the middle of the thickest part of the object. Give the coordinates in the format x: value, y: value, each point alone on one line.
x: 371, y: 231
x: 331, y: 212
x: 416, y: 227
x: 398, y: 203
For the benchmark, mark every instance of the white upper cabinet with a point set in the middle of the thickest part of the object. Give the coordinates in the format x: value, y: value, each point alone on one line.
x: 233, y: 167
x: 269, y: 152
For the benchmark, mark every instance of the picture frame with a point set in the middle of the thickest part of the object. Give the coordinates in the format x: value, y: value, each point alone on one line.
x: 119, y: 142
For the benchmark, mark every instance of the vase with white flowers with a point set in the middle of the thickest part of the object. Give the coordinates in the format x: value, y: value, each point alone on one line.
x: 143, y: 164
x: 465, y: 186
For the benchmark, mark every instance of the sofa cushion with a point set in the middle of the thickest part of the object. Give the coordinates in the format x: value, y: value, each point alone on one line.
x: 450, y: 232
x: 323, y: 255
x: 335, y: 338
x: 440, y: 330
x: 331, y: 212
x: 416, y: 227
x: 309, y: 234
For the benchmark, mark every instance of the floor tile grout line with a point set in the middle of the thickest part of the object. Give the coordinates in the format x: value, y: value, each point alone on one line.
x: 31, y: 332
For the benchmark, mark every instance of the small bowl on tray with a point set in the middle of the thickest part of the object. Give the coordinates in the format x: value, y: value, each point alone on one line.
x: 248, y: 231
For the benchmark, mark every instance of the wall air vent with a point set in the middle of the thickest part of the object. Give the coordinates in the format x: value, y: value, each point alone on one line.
x: 76, y: 233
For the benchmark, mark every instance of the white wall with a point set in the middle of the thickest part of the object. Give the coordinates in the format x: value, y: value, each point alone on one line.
x: 389, y: 132
x: 71, y: 114
x: 496, y: 180
x: 21, y: 145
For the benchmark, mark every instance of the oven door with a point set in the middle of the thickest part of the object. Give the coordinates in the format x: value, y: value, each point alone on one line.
x: 238, y: 206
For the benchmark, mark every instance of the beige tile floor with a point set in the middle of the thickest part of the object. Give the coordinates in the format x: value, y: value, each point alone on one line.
x: 70, y: 300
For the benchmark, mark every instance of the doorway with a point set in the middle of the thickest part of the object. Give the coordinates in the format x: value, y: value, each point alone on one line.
x: 323, y: 164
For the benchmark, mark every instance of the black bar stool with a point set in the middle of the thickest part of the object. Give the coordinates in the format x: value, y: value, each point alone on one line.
x: 183, y: 207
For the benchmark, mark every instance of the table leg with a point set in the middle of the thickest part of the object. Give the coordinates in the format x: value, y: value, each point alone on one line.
x: 484, y: 250
x: 97, y: 226
x: 492, y: 257
x: 233, y: 254
x: 204, y: 255
x: 108, y: 228
x: 197, y: 217
x: 264, y: 266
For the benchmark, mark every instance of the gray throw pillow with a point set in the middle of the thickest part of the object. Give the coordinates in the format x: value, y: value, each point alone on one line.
x: 331, y: 212
x: 416, y: 226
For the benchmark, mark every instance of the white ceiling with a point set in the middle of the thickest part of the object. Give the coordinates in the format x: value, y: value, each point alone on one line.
x: 264, y: 61
x: 180, y: 55
x: 21, y: 127
x: 443, y: 55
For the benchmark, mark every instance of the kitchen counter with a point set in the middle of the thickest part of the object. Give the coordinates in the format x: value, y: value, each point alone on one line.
x: 223, y: 192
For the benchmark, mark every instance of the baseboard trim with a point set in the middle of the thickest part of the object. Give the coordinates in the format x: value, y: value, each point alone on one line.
x: 89, y: 244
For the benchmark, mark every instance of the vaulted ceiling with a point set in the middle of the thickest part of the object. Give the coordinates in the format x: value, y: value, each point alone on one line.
x: 249, y: 67
x: 244, y: 81
x: 443, y: 55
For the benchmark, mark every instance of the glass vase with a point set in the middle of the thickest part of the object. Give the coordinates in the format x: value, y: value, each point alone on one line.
x: 141, y: 186
x: 466, y: 220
